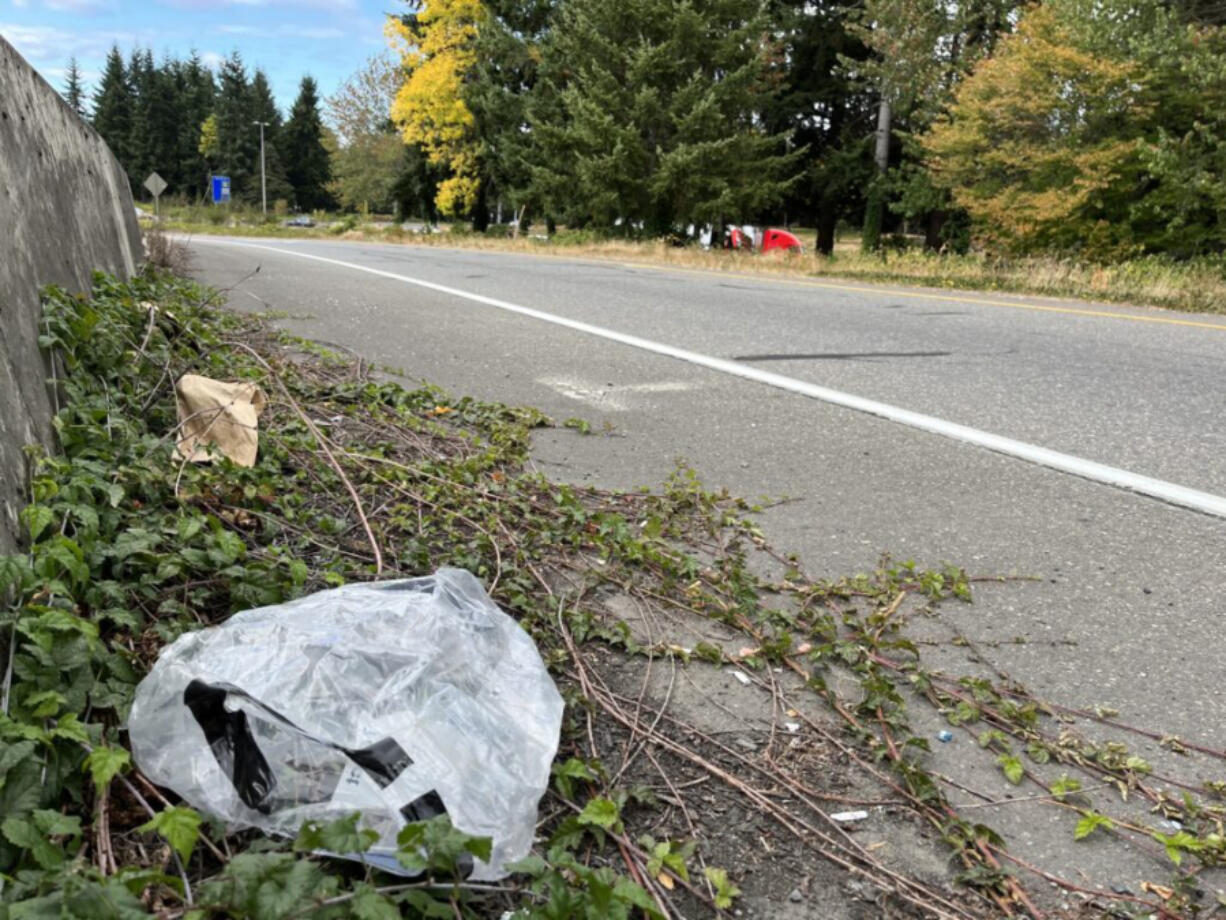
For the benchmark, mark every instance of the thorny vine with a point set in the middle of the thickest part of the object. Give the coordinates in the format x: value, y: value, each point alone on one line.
x: 360, y: 478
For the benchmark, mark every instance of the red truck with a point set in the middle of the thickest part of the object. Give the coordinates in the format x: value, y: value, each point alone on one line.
x: 770, y: 238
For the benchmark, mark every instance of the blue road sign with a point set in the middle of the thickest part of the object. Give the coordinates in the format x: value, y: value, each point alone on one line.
x: 221, y: 189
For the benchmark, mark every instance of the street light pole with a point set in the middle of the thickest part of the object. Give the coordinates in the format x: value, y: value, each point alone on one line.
x: 263, y: 180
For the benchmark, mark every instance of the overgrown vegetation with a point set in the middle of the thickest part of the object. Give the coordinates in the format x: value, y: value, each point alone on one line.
x: 129, y: 548
x: 1195, y: 285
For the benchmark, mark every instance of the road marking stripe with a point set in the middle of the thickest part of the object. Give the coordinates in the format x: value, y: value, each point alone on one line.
x: 862, y: 287
x: 1077, y: 466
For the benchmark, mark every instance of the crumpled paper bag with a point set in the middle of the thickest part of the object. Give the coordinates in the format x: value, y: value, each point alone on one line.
x: 218, y: 418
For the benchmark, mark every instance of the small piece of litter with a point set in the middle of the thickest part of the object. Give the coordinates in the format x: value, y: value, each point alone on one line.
x: 792, y: 727
x: 796, y: 897
x: 845, y: 816
x: 742, y: 677
x: 945, y: 736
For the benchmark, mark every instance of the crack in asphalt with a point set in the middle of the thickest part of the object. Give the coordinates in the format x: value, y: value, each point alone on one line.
x: 845, y: 356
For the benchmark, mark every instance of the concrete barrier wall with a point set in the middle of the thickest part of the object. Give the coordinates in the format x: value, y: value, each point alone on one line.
x: 65, y: 210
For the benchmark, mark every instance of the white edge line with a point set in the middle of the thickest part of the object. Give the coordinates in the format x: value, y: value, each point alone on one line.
x: 1183, y: 496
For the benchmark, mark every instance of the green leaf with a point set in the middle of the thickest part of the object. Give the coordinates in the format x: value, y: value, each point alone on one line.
x: 56, y: 824
x: 480, y: 847
x: 37, y: 518
x: 1178, y: 844
x: 34, y: 835
x: 290, y: 893
x: 631, y: 893
x: 1038, y: 753
x: 565, y: 774
x: 1089, y: 823
x: 438, y: 846
x: 368, y: 904
x: 1013, y: 767
x: 1065, y: 785
x: 179, y: 826
x: 105, y: 763
x: 342, y: 836
x: 45, y: 704
x: 531, y: 864
x: 602, y: 813
x: 725, y: 891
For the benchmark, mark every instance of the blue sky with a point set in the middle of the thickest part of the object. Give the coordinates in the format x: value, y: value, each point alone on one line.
x: 329, y: 39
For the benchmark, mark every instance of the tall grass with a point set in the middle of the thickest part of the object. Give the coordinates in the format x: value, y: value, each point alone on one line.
x: 1197, y: 285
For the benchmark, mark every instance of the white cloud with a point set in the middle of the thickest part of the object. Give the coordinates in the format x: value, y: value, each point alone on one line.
x: 79, y: 6
x: 57, y: 75
x: 211, y: 59
x: 318, y: 33
x: 48, y: 43
x: 312, y: 32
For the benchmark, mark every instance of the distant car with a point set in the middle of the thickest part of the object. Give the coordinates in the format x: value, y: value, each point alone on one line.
x: 751, y: 238
x: 302, y: 220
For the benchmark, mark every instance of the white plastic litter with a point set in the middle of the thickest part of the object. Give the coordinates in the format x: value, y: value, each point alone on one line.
x: 401, y: 700
x: 846, y: 816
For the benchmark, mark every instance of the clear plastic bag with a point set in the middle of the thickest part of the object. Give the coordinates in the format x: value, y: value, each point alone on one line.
x: 400, y: 700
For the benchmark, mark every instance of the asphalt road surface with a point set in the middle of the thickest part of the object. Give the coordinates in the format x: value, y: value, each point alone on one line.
x: 749, y: 379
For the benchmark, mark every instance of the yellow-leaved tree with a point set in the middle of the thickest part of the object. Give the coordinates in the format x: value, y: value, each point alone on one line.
x: 1041, y: 146
x: 437, y: 45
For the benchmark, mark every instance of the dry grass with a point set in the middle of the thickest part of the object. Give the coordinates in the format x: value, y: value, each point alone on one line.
x: 1195, y: 285
x: 170, y: 253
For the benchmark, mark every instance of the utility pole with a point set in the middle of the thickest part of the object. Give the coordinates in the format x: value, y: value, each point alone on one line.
x: 263, y: 180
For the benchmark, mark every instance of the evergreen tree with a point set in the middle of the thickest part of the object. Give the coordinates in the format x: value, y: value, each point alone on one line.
x: 499, y: 91
x: 415, y: 192
x: 263, y: 108
x: 140, y: 79
x: 238, y: 141
x: 661, y: 114
x: 154, y: 140
x: 306, y: 159
x: 824, y: 110
x: 113, y: 106
x: 195, y: 91
x: 74, y: 91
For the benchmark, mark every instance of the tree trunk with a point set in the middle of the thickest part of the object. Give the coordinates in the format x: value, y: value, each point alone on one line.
x: 932, y: 232
x: 826, y: 223
x: 870, y: 241
x: 481, y: 213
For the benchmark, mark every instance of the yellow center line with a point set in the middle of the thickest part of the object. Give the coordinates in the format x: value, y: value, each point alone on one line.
x: 924, y: 295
